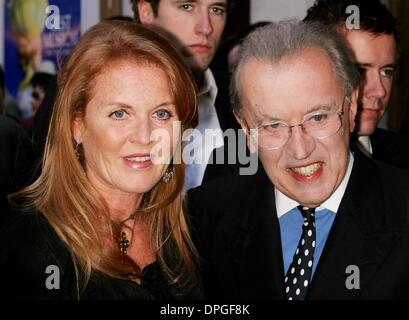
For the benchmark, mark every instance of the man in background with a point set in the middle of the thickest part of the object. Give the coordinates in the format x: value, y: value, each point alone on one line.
x: 39, y: 83
x: 374, y: 48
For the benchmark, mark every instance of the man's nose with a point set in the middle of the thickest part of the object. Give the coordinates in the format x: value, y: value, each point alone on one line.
x: 300, y: 145
x: 375, y: 87
x: 204, y: 24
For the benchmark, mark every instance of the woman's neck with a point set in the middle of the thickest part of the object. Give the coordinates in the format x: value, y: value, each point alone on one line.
x: 121, y: 204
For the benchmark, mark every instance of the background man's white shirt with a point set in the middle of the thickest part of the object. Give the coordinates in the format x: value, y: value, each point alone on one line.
x: 208, y: 120
x: 364, y: 144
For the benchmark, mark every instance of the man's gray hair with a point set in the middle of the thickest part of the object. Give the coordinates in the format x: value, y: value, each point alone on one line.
x: 284, y: 39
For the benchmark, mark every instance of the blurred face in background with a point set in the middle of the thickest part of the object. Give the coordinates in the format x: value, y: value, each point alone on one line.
x: 37, y: 97
x: 197, y: 27
x: 375, y: 55
x: 29, y: 52
x: 129, y: 101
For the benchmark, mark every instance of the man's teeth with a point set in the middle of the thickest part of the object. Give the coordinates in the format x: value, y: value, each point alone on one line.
x: 308, y: 170
x: 139, y: 159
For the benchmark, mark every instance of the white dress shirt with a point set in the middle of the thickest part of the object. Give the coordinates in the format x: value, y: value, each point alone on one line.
x: 364, y: 144
x: 208, y: 121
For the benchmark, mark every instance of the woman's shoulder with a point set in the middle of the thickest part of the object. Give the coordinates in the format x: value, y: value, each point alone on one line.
x: 28, y: 231
x: 33, y: 259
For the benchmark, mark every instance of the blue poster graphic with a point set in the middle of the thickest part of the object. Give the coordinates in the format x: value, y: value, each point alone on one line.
x: 39, y: 35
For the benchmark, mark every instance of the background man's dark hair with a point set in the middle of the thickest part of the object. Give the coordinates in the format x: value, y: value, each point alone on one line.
x: 42, y: 80
x: 374, y: 16
x: 154, y: 5
x: 220, y: 60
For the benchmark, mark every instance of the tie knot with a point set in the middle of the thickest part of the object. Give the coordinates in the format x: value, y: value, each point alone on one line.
x: 307, y: 213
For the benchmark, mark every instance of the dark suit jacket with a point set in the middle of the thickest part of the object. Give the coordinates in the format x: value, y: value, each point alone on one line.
x: 29, y: 246
x: 38, y: 133
x: 390, y: 147
x: 237, y: 233
x: 12, y: 141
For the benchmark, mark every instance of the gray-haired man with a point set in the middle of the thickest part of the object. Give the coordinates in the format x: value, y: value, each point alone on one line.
x: 302, y: 227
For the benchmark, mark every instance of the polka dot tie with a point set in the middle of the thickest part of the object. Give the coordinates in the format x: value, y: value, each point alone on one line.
x: 299, y: 273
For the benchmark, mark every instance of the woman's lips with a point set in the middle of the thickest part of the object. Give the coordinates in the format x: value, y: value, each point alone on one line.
x: 138, y: 162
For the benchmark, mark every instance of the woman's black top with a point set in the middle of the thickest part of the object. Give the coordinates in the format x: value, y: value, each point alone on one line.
x: 36, y: 264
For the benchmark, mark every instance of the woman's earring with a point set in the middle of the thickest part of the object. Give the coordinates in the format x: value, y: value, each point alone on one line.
x: 170, y: 171
x: 78, y: 151
x: 123, y: 244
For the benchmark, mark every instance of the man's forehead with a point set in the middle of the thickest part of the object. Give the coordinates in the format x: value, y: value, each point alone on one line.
x: 265, y: 103
x: 367, y: 46
x: 305, y: 72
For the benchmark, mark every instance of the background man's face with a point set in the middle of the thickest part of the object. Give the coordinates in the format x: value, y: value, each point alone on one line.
x: 306, y: 169
x: 376, y: 58
x: 196, y: 25
x: 37, y: 97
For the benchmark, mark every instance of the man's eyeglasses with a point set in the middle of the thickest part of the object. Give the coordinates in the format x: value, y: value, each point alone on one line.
x: 320, y: 125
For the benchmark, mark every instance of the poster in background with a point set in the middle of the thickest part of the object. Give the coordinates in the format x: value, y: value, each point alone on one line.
x: 39, y: 35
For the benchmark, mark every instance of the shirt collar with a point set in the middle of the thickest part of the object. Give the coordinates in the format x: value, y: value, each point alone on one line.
x: 209, y: 86
x: 285, y: 204
x: 364, y: 144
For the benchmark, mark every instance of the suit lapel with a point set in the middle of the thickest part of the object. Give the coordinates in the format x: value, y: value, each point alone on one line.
x: 389, y: 148
x: 380, y: 150
x: 222, y: 103
x: 258, y: 255
x: 358, y: 237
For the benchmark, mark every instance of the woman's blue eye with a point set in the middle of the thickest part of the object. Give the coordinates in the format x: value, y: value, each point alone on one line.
x: 118, y: 114
x: 163, y: 114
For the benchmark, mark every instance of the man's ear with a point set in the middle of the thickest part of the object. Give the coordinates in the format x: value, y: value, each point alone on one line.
x: 353, y: 108
x: 246, y: 129
x: 146, y: 15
